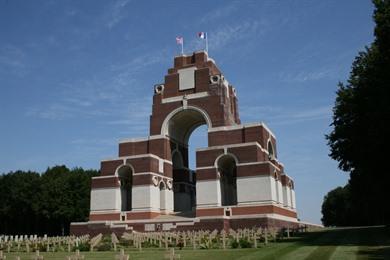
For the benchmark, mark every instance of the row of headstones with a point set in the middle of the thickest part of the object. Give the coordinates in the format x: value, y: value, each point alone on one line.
x: 16, y: 238
x: 77, y: 256
x: 181, y: 239
x: 51, y: 243
x: 38, y: 256
x: 195, y: 238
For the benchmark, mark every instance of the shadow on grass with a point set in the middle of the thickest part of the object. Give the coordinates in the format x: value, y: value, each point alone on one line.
x: 373, y: 242
x: 379, y: 253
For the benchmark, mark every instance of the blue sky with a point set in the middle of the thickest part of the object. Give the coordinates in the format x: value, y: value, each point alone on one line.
x: 77, y: 76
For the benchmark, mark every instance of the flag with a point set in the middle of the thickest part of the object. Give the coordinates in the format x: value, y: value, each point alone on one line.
x: 179, y: 40
x: 202, y: 35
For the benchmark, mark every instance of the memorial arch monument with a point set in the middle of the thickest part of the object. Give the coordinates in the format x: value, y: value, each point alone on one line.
x: 238, y: 181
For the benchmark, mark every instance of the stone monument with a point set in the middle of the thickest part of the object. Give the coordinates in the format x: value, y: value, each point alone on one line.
x: 238, y: 181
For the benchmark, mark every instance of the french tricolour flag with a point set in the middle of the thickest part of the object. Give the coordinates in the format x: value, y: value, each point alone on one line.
x: 202, y: 35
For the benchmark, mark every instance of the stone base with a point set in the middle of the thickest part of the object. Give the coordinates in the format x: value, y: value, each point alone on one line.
x: 173, y: 223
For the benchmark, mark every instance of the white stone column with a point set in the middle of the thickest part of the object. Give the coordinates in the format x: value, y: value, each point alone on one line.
x: 286, y: 196
x: 293, y: 205
x: 166, y: 200
x: 280, y: 192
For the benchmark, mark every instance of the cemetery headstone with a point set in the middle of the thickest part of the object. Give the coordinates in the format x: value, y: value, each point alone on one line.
x: 114, y: 240
x: 95, y: 241
x: 37, y: 256
x: 171, y: 255
x: 122, y: 255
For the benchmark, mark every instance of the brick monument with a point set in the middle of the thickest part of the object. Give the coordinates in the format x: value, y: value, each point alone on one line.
x: 238, y: 181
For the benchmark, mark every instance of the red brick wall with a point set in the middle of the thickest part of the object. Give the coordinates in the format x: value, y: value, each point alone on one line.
x: 206, y: 174
x: 100, y: 217
x: 255, y: 170
x: 209, y: 212
x: 141, y: 215
x: 207, y: 157
x: 144, y: 164
x: 245, y: 154
x: 226, y: 137
x: 109, y: 167
x: 159, y: 147
x: 105, y: 182
x: 133, y: 148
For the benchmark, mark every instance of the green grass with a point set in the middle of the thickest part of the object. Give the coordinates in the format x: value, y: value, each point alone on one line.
x: 348, y: 243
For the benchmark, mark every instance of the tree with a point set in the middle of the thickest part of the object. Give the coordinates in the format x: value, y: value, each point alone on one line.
x: 31, y: 203
x: 66, y: 196
x: 18, y: 199
x: 335, y: 209
x: 359, y: 140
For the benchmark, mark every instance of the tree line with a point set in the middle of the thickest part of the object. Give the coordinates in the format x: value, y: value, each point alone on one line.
x: 360, y: 139
x: 46, y: 203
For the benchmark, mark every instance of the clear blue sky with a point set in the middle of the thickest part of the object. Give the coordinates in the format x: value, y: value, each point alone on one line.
x: 77, y: 76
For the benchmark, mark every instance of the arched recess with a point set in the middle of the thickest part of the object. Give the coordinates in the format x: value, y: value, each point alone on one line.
x: 178, y: 126
x: 125, y: 175
x: 162, y: 188
x: 271, y: 151
x: 177, y: 160
x: 227, y: 168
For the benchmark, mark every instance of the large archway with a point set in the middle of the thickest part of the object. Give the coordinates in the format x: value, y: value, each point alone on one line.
x: 179, y: 128
x: 125, y: 174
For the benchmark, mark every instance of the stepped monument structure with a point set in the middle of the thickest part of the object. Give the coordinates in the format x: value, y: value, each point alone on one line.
x: 238, y: 181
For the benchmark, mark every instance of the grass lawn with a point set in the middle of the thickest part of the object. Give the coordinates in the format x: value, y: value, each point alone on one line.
x: 347, y: 243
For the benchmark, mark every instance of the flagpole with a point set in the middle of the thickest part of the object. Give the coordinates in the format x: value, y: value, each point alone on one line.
x: 207, y: 43
x: 182, y: 47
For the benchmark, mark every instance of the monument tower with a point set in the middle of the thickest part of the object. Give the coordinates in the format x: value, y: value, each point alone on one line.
x: 238, y: 181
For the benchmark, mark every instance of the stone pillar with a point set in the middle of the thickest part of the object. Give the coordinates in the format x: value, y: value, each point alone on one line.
x: 208, y: 193
x: 107, y: 198
x: 255, y: 189
x: 286, y: 196
x: 146, y: 198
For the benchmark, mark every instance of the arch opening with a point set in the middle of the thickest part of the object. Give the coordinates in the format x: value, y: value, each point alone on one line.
x: 162, y: 188
x: 183, y: 123
x: 271, y: 153
x: 125, y: 174
x: 180, y: 127
x: 227, y: 169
